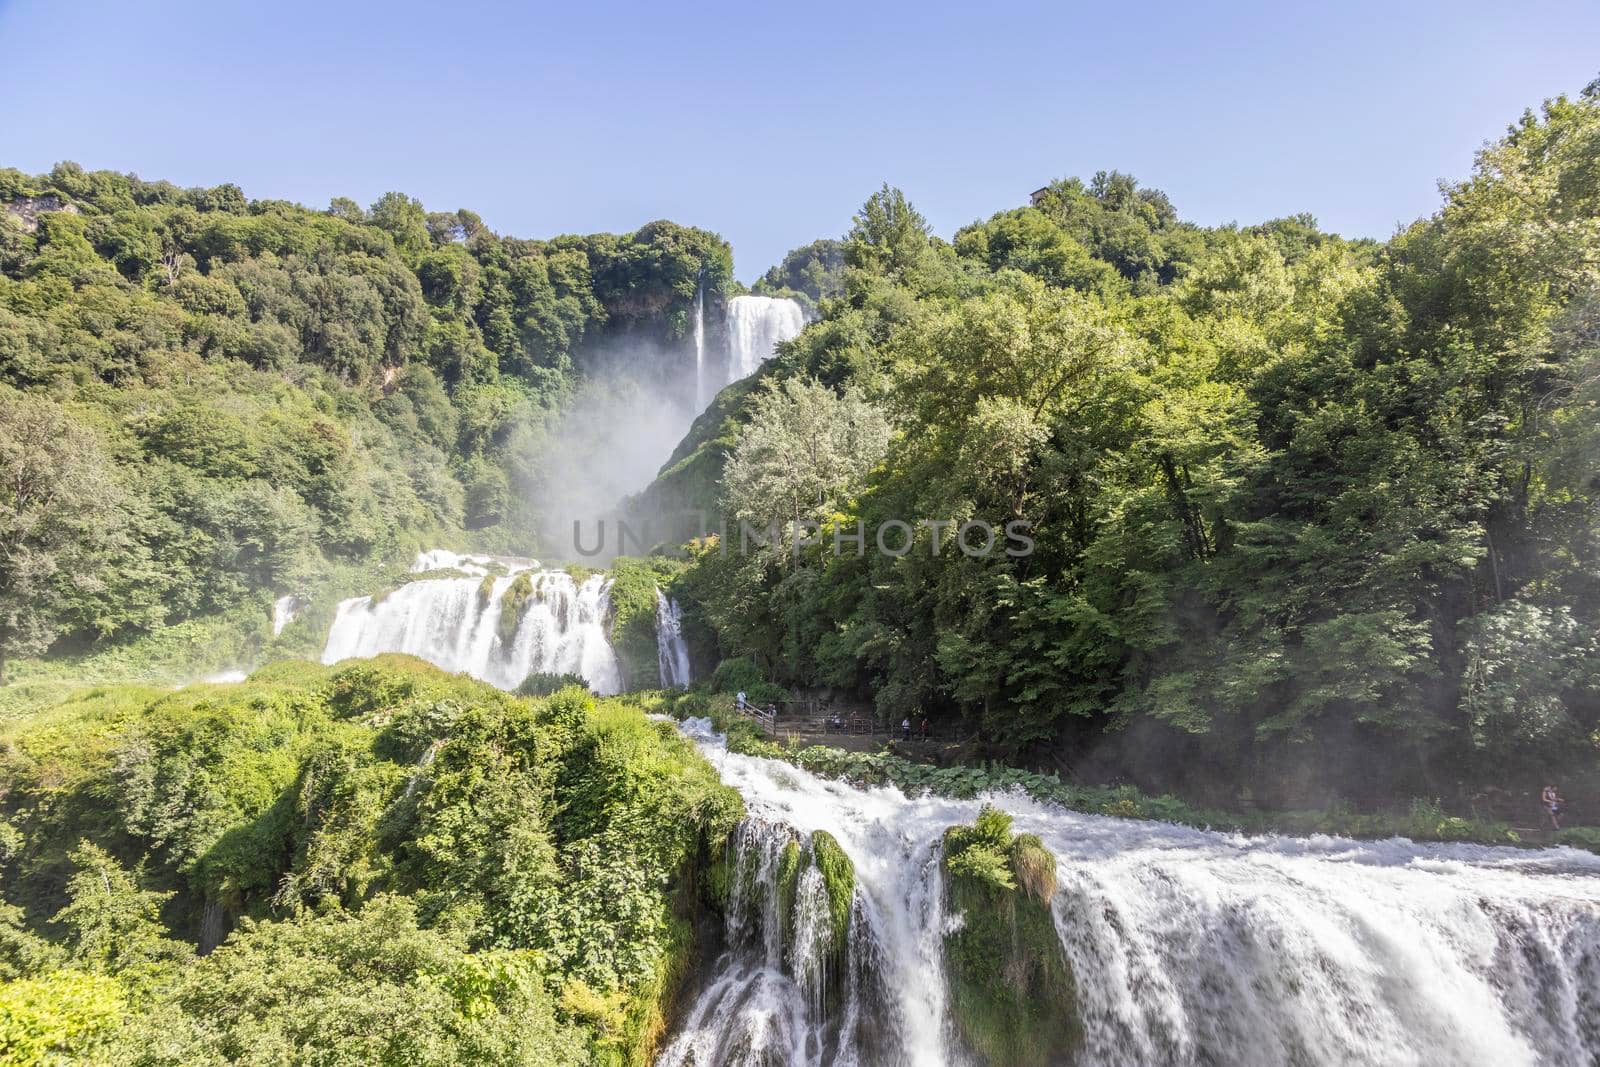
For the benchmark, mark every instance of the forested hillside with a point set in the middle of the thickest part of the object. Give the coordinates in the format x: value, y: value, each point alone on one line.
x: 1312, y: 517
x: 414, y: 868
x: 207, y: 400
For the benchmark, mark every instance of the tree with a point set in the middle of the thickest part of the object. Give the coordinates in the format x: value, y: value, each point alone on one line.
x: 405, y: 220
x: 887, y: 236
x: 115, y: 924
x: 805, y: 446
x: 58, y: 512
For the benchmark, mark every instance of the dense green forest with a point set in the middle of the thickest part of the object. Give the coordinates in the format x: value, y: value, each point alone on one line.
x: 1312, y: 517
x: 206, y: 400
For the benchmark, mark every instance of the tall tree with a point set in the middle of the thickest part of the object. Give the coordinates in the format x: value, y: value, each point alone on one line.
x: 58, y: 513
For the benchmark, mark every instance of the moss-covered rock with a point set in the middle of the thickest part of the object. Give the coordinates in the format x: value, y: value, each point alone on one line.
x: 789, y: 866
x: 633, y: 617
x: 513, y: 605
x: 1011, y: 985
x: 839, y: 876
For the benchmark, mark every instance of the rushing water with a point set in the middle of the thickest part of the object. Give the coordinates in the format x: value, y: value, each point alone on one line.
x: 450, y: 623
x: 672, y: 652
x: 285, y: 610
x: 700, y: 348
x: 756, y: 326
x: 1188, y: 947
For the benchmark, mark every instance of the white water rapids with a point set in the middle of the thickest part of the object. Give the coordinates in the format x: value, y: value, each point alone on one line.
x: 1188, y: 947
x: 448, y: 622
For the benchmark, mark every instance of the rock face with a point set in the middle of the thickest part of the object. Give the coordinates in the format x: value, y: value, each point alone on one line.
x: 27, y: 210
x: 1011, y: 986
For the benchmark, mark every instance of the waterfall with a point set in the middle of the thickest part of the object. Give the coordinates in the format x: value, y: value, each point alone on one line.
x: 442, y: 559
x: 699, y: 348
x: 1188, y: 946
x: 769, y: 1000
x: 285, y: 610
x: 756, y: 325
x: 213, y: 926
x: 424, y: 761
x: 672, y: 652
x: 455, y: 624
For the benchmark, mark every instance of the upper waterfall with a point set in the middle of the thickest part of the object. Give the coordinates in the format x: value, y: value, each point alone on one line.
x: 699, y: 348
x: 756, y: 326
x: 456, y: 623
x: 1187, y: 946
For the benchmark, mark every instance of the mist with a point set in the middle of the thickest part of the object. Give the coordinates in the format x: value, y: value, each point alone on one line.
x: 610, y: 443
x: 638, y: 400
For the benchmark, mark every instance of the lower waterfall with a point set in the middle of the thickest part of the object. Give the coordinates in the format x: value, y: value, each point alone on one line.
x: 672, y: 652
x: 1187, y: 946
x: 455, y: 623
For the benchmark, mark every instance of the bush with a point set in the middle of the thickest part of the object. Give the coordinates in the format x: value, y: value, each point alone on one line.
x: 442, y: 833
x: 542, y: 684
x: 738, y: 673
x: 60, y: 1017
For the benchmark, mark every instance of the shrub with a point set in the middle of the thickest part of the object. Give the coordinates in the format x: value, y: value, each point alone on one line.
x: 542, y: 684
x: 742, y: 675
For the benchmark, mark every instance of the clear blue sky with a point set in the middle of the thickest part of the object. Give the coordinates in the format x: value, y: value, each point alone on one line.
x: 770, y: 123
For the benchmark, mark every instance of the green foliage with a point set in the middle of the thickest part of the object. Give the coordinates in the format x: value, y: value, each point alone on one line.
x: 541, y: 684
x: 789, y: 866
x: 805, y: 445
x: 394, y: 843
x: 512, y: 606
x: 739, y: 674
x: 366, y: 988
x: 811, y: 274
x: 1284, y: 495
x: 58, y: 512
x: 839, y: 878
x: 633, y: 617
x: 22, y: 952
x: 59, y: 1018
x: 113, y: 924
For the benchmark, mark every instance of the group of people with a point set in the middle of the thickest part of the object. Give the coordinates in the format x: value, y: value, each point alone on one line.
x: 835, y: 720
x: 905, y: 728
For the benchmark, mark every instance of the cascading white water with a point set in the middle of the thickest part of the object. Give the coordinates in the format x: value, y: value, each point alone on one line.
x: 700, y: 348
x: 450, y: 623
x: 782, y: 993
x: 1188, y: 947
x: 672, y: 651
x: 285, y: 610
x: 756, y: 326
x: 442, y: 559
